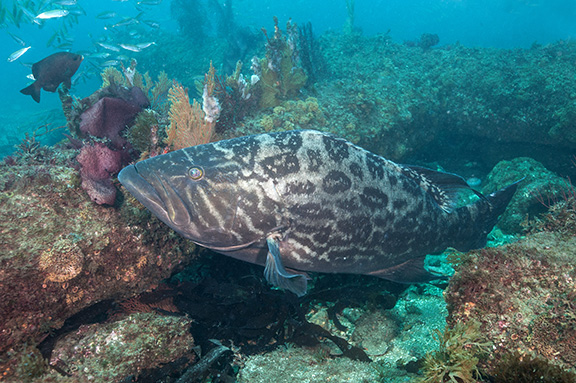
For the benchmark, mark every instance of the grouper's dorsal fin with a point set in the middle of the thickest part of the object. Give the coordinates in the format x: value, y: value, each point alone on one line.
x: 441, y: 186
x: 276, y: 274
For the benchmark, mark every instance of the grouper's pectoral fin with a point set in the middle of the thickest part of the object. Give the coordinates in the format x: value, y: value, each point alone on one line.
x: 277, y: 275
x: 411, y: 271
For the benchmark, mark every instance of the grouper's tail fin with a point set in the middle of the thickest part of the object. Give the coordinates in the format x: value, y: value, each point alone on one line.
x: 484, y: 214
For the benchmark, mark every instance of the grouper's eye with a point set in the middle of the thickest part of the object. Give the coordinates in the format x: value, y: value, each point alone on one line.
x: 196, y: 173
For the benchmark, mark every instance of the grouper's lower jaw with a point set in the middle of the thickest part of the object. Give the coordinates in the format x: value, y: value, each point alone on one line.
x: 142, y: 190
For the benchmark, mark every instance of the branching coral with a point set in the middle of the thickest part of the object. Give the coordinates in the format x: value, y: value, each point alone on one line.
x: 110, y: 76
x: 191, y: 124
x: 156, y: 91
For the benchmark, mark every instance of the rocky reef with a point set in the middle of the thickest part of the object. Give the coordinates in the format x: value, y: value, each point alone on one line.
x: 96, y: 289
x: 61, y: 253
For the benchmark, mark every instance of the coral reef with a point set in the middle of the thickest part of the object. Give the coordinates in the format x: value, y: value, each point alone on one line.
x: 61, y: 253
x: 407, y: 103
x: 452, y: 97
x: 281, y: 76
x: 302, y: 114
x: 523, y: 295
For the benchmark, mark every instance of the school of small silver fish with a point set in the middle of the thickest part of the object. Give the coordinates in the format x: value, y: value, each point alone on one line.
x: 110, y: 47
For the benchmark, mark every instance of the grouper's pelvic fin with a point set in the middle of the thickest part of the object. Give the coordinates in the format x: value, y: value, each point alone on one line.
x: 276, y: 274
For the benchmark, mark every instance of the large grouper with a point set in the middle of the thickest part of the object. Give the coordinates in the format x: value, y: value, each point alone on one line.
x: 304, y: 200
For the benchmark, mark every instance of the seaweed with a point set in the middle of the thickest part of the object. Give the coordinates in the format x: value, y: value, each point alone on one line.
x: 457, y: 357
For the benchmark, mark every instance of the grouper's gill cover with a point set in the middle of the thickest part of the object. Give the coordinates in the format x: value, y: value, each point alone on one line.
x: 308, y: 201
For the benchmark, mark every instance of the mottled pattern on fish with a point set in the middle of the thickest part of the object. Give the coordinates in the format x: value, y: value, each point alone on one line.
x: 330, y: 206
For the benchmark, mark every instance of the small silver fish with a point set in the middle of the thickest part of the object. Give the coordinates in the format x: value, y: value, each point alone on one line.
x: 145, y: 45
x: 151, y: 23
x: 17, y: 39
x: 130, y: 47
x: 110, y: 63
x: 16, y: 55
x: 53, y: 14
x: 110, y: 47
x: 99, y: 55
x: 125, y: 22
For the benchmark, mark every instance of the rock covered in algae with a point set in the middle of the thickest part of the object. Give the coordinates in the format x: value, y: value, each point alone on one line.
x: 60, y: 252
x: 523, y: 295
x: 539, y: 187
x: 113, y: 351
x: 306, y: 366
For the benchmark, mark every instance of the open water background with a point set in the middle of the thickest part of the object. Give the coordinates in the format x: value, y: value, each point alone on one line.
x: 480, y: 23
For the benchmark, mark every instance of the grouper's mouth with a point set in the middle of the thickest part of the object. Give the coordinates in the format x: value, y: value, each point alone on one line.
x: 154, y: 191
x: 156, y: 195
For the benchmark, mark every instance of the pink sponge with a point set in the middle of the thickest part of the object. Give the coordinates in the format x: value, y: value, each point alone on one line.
x: 98, y: 164
x: 107, y: 117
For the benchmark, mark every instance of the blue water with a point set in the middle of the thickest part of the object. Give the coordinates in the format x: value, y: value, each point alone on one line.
x: 482, y: 23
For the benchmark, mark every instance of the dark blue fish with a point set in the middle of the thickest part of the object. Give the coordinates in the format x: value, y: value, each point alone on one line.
x: 52, y: 71
x: 302, y: 201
